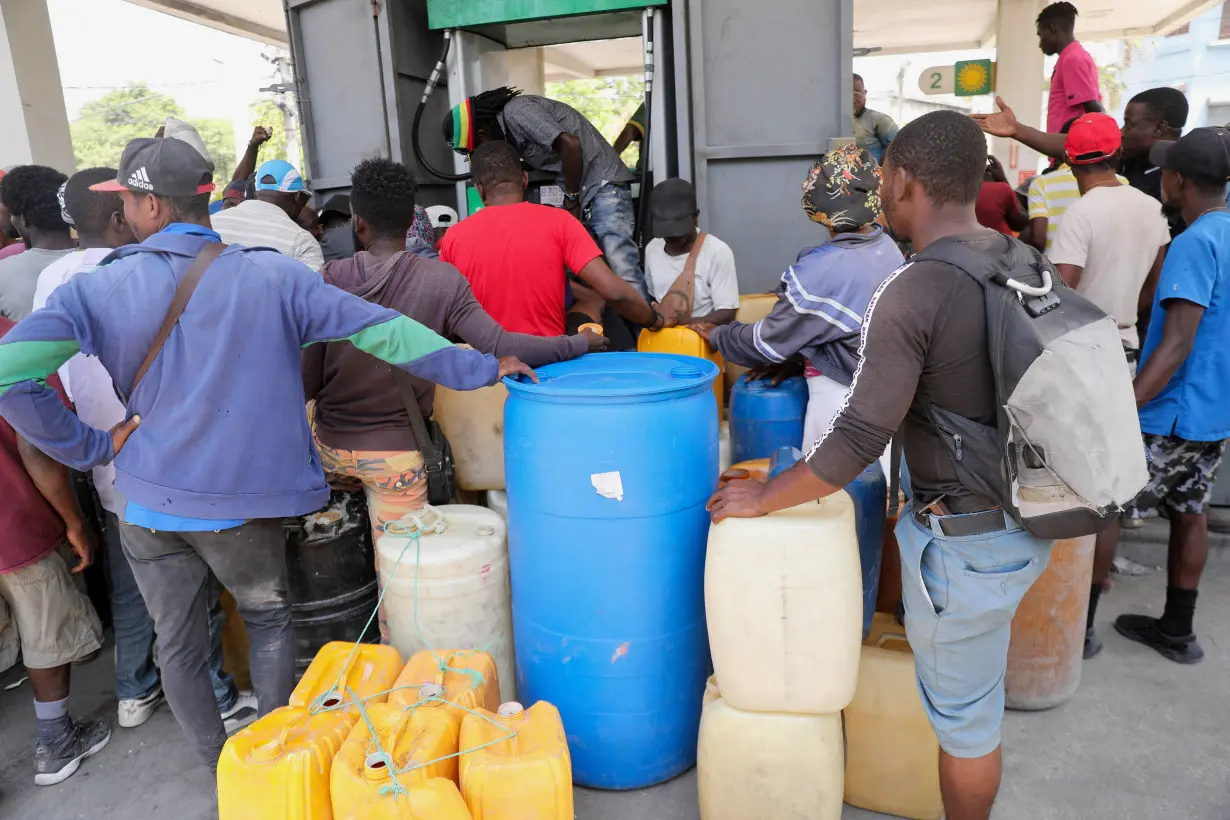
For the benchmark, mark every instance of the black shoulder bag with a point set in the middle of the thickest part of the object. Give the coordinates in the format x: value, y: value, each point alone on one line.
x: 437, y: 454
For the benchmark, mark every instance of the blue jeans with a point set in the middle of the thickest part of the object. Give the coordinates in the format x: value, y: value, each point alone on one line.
x: 610, y: 219
x: 135, y: 673
x: 960, y: 594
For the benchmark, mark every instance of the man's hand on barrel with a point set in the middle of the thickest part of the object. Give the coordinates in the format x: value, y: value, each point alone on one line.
x: 512, y: 366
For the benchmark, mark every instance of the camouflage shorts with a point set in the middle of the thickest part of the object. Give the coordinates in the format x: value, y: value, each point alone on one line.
x: 1181, y: 475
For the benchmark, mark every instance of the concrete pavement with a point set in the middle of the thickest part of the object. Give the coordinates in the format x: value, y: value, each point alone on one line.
x: 1144, y: 738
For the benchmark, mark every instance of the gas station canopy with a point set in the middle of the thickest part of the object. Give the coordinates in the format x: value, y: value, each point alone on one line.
x: 879, y: 27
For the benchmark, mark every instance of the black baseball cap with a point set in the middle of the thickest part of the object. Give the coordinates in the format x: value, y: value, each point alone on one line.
x: 337, y: 204
x: 673, y: 204
x: 163, y: 167
x: 1201, y: 153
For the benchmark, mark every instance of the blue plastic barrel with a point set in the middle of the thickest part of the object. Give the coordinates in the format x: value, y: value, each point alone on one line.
x: 870, y: 495
x: 764, y: 418
x: 609, y: 462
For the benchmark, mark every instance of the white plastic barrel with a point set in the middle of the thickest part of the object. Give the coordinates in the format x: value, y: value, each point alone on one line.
x: 462, y: 595
x: 473, y: 422
x: 783, y: 598
x: 768, y: 765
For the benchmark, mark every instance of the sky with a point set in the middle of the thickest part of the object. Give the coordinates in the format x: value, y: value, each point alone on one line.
x: 105, y: 44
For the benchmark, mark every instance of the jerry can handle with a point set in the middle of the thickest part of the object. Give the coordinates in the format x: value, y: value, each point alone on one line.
x: 417, y: 522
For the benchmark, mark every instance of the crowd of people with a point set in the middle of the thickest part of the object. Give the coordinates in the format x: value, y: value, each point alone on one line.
x: 213, y: 366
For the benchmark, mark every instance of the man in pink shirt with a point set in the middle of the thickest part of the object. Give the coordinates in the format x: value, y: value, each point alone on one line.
x: 1074, y: 83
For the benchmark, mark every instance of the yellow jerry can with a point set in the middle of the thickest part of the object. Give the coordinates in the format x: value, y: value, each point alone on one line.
x: 412, y: 745
x: 685, y: 342
x: 335, y: 672
x: 525, y: 773
x: 435, y: 799
x: 892, y: 754
x: 279, y: 766
x: 471, y: 680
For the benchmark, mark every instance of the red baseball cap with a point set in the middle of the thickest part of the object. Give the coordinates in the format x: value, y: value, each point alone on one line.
x: 1092, y: 138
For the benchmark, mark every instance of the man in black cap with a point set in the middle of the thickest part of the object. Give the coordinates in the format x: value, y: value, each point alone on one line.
x: 1183, y: 387
x: 211, y: 374
x: 338, y: 241
x: 693, y: 270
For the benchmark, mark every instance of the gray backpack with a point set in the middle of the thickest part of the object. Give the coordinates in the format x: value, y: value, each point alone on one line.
x: 1067, y: 454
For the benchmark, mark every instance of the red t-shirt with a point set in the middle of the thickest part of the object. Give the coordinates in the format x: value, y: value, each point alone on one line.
x: 996, y: 200
x: 29, y: 528
x: 514, y: 258
x: 1073, y: 83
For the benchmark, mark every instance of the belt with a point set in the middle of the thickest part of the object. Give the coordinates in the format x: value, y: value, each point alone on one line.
x: 956, y: 526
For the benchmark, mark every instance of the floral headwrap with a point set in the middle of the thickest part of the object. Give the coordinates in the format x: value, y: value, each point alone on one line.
x: 421, y: 228
x: 842, y: 190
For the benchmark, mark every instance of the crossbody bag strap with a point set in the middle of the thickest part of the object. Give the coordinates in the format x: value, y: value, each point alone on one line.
x: 183, y: 292
x: 684, y: 286
x: 432, y: 461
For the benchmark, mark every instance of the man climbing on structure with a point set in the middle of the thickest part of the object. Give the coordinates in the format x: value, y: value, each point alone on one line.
x: 552, y: 136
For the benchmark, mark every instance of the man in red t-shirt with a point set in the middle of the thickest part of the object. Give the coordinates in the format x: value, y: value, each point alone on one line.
x: 515, y: 253
x: 1074, y: 83
x: 56, y: 624
x: 998, y: 207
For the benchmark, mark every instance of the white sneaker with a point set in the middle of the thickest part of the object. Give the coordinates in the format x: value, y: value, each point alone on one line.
x: 135, y: 711
x: 241, y: 714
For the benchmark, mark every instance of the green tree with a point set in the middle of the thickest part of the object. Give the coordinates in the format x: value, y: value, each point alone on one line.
x: 607, y: 102
x: 266, y: 112
x: 107, y: 124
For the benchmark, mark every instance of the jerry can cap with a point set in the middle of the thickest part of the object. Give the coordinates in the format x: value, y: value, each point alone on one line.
x: 431, y: 690
x: 510, y: 710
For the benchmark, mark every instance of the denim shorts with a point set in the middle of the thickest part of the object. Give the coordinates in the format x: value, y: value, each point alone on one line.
x: 960, y: 594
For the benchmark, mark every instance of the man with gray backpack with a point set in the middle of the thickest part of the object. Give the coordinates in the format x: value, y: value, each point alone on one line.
x: 1018, y: 425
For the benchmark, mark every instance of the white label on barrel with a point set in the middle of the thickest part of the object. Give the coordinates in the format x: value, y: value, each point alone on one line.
x: 608, y: 485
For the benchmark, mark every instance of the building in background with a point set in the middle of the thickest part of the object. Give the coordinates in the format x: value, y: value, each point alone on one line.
x: 1194, y: 59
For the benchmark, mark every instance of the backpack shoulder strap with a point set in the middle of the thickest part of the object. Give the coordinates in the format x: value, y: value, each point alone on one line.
x: 982, y: 267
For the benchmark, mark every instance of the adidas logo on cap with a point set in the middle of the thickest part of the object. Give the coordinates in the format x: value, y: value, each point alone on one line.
x: 140, y: 179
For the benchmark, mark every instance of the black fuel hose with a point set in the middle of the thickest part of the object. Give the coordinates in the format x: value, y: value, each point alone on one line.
x: 436, y: 74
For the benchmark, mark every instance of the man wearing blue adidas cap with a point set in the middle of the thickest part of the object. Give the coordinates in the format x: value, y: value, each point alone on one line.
x: 269, y: 220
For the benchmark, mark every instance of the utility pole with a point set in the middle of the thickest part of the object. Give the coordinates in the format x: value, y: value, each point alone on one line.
x: 283, y: 91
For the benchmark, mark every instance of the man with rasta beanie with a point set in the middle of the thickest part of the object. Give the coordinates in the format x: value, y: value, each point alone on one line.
x: 823, y: 296
x: 551, y: 136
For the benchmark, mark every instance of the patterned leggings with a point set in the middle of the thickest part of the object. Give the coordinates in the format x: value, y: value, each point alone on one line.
x: 394, y: 482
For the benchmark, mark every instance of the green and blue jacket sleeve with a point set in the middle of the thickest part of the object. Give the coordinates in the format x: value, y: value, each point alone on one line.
x: 29, y: 354
x: 329, y: 314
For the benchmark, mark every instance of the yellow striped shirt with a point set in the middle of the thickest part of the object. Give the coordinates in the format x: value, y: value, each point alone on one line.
x: 1050, y: 195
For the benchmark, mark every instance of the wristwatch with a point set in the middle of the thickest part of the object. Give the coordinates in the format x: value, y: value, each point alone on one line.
x: 659, y: 321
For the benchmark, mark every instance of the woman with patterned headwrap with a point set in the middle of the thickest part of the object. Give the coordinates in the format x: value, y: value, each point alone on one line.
x: 823, y: 296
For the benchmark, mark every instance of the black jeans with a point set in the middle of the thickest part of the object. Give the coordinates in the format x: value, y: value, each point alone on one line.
x: 172, y: 571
